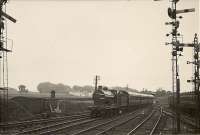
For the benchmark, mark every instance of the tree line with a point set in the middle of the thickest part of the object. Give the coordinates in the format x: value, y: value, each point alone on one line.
x: 47, y: 87
x: 158, y: 93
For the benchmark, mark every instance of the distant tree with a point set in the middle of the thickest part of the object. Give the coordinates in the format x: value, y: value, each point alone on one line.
x: 161, y: 92
x: 88, y: 88
x: 131, y: 89
x: 47, y: 87
x: 22, y: 88
x: 68, y: 88
x: 146, y: 91
x: 169, y: 93
x: 62, y: 88
x: 77, y: 88
x: 84, y: 90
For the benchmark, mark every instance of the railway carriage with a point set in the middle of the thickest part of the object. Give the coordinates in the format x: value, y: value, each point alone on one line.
x: 109, y: 101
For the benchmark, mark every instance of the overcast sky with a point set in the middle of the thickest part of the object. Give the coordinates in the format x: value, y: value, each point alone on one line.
x: 70, y: 42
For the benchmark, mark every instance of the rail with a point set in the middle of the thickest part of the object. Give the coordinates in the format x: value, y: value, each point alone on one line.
x: 101, y: 124
x: 41, y: 129
x: 65, y: 127
x: 141, y: 123
x: 108, y: 129
x: 36, y: 121
x: 184, y: 119
x: 157, y: 122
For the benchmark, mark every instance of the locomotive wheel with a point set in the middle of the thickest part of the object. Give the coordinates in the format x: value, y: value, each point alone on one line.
x: 105, y: 113
x: 98, y: 113
x: 93, y: 114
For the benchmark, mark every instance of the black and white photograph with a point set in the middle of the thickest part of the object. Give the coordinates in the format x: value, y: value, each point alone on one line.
x: 99, y: 67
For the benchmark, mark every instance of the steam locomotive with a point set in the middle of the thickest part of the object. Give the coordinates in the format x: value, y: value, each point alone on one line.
x: 109, y: 102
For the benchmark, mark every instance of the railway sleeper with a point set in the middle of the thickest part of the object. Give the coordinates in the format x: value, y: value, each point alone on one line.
x: 106, y: 112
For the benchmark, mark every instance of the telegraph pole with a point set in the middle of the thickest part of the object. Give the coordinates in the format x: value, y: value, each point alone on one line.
x: 97, y: 78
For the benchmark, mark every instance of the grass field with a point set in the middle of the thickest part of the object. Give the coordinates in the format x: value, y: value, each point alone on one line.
x: 26, y: 106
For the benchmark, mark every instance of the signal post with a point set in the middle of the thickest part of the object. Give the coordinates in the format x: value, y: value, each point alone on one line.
x: 177, y: 49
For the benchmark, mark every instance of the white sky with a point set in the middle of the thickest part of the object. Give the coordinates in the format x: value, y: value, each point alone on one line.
x: 70, y: 42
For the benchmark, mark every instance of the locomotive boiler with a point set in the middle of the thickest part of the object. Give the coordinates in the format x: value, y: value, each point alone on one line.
x: 111, y: 102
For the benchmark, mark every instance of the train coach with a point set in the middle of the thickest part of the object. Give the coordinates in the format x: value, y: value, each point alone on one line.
x: 109, y: 101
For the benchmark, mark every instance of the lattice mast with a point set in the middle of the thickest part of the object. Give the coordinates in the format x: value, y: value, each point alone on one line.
x: 3, y: 61
x: 196, y: 79
x: 3, y: 87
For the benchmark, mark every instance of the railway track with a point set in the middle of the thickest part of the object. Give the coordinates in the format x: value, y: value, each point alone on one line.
x: 157, y: 123
x: 53, y: 128
x: 21, y: 125
x: 145, y: 121
x: 38, y: 121
x: 148, y: 125
x: 104, y: 126
x: 184, y: 119
x: 84, y: 125
x: 188, y: 124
